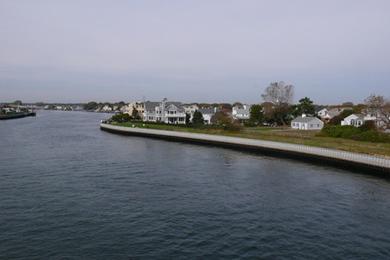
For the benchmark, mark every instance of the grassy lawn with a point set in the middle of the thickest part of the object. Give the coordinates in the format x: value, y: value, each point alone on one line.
x: 286, y: 135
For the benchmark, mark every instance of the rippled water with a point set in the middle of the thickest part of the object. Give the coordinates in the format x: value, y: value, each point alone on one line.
x: 69, y: 190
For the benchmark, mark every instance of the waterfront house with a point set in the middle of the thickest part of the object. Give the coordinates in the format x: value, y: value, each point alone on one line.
x: 149, y: 114
x: 327, y: 114
x: 126, y: 109
x: 207, y: 113
x: 241, y: 113
x: 106, y: 108
x: 190, y: 109
x: 323, y: 113
x: 358, y: 120
x: 136, y: 105
x: 164, y: 112
x: 226, y: 108
x: 307, y: 123
x: 353, y: 120
x: 380, y: 116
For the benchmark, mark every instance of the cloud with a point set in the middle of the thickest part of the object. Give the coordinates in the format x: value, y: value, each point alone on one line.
x: 193, y: 49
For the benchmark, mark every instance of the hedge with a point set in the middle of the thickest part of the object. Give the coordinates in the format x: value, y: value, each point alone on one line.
x: 355, y: 133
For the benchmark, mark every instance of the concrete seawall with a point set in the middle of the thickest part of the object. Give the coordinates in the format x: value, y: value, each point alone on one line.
x: 355, y: 161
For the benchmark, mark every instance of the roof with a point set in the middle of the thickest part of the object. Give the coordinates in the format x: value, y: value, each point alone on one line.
x: 243, y: 111
x: 190, y: 105
x: 358, y: 116
x: 333, y: 113
x: 205, y: 111
x: 178, y: 105
x: 150, y: 106
x: 305, y: 119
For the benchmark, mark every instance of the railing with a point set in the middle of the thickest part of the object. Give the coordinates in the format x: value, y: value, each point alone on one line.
x: 366, y: 159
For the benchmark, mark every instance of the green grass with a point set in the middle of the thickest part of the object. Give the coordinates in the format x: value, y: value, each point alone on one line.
x: 286, y: 135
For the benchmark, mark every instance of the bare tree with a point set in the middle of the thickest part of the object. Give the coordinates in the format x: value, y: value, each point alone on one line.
x: 279, y: 93
x: 380, y: 107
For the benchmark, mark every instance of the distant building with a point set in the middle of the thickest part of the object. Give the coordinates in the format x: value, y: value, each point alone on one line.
x: 323, y: 113
x: 207, y: 113
x: 307, y: 123
x: 358, y: 120
x: 225, y: 108
x: 137, y: 105
x: 327, y: 114
x: 190, y: 109
x: 241, y: 113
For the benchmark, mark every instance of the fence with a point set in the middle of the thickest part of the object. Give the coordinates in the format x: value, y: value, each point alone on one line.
x: 361, y: 159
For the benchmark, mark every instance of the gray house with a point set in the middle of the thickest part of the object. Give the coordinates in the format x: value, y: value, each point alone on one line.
x: 207, y: 113
x: 164, y: 112
x: 307, y: 123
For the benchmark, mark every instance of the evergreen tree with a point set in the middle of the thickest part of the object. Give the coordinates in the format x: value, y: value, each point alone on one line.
x: 188, y: 119
x: 256, y: 115
x: 305, y: 106
x: 197, y: 119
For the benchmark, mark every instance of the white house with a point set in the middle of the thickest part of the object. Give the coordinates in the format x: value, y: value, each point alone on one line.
x: 207, y: 113
x: 323, y: 113
x: 190, y: 108
x: 106, y: 108
x: 327, y: 114
x: 241, y: 112
x: 164, y: 112
x: 307, y: 123
x: 357, y: 119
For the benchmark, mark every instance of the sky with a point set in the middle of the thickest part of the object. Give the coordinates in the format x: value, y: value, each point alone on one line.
x: 193, y: 51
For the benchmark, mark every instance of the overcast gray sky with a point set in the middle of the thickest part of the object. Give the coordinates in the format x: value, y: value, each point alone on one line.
x: 200, y: 50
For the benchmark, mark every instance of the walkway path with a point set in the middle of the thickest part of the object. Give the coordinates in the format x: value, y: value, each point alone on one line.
x: 374, y: 162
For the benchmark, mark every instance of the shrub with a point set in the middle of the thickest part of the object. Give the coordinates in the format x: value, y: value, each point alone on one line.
x: 197, y: 119
x: 368, y: 125
x: 233, y: 126
x: 337, y: 119
x: 225, y: 121
x: 121, y: 118
x: 367, y: 133
x: 373, y: 136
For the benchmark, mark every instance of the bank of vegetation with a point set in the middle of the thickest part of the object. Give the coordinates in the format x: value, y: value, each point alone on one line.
x: 278, y: 134
x: 270, y: 120
x: 367, y: 133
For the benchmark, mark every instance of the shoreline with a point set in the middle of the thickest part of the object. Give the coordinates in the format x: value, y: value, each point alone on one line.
x: 17, y: 115
x: 347, y: 160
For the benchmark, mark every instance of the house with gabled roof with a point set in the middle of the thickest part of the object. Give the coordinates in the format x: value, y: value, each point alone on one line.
x: 326, y: 114
x: 358, y: 120
x: 242, y: 112
x: 307, y: 123
x: 164, y: 112
x: 207, y: 114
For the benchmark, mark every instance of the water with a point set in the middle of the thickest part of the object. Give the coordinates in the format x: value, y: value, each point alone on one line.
x: 70, y: 191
